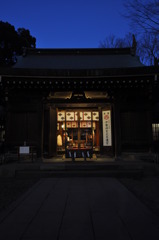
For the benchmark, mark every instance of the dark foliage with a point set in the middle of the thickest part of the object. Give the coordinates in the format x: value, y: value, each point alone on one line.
x: 12, y: 42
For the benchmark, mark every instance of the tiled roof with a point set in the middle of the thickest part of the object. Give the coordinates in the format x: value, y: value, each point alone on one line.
x: 78, y: 59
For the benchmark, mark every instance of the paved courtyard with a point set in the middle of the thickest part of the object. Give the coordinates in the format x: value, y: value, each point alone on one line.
x: 78, y: 209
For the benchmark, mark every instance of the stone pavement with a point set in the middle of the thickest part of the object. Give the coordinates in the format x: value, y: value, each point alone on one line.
x: 78, y: 209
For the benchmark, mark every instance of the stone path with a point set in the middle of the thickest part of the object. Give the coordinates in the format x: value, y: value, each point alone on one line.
x: 78, y: 209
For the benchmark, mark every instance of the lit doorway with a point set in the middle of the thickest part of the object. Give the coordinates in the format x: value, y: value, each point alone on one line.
x: 78, y: 133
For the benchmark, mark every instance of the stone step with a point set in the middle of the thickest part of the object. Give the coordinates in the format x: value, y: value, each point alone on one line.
x: 72, y: 172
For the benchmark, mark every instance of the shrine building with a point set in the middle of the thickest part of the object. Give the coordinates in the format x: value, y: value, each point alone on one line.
x: 80, y: 103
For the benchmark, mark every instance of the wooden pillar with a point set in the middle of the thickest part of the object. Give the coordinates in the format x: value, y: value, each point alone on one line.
x: 117, y: 129
x: 52, y: 132
x: 150, y: 130
x: 40, y: 131
x: 100, y: 130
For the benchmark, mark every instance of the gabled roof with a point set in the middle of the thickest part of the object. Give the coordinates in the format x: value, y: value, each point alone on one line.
x: 97, y: 58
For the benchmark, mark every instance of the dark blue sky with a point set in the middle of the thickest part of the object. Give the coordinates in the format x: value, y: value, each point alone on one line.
x: 66, y: 23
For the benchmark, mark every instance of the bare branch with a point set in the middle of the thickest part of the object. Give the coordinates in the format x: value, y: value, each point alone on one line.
x: 143, y: 16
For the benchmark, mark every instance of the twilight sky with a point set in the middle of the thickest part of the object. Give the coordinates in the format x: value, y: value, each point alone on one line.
x: 66, y: 23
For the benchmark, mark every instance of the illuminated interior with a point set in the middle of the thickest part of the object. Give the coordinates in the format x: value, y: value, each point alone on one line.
x: 77, y: 129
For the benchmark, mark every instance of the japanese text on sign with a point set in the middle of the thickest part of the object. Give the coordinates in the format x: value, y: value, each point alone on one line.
x: 107, y: 136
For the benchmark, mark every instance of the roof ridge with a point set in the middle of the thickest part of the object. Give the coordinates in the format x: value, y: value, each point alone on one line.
x: 77, y: 51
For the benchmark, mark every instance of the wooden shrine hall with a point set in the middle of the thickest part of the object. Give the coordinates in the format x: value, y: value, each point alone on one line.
x: 80, y: 102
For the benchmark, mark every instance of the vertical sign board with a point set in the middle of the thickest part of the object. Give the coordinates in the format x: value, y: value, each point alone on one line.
x: 107, y: 135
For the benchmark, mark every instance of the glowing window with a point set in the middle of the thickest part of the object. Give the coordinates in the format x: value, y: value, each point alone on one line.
x: 155, y: 131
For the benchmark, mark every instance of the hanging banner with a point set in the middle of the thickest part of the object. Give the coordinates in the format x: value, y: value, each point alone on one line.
x: 70, y: 116
x: 107, y: 135
x: 61, y: 116
x: 85, y: 116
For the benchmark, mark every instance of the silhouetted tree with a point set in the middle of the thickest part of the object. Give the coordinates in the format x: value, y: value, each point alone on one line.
x: 143, y: 15
x: 113, y: 42
x: 25, y: 39
x: 144, y: 21
x: 8, y: 41
x: 12, y: 42
x: 148, y: 49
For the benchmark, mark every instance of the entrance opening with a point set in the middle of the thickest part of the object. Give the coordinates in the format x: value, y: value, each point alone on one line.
x: 78, y: 133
